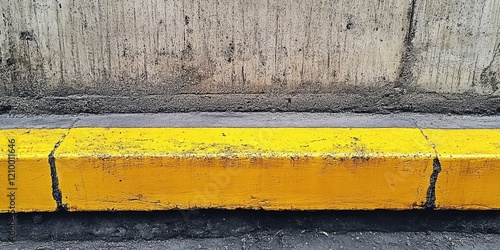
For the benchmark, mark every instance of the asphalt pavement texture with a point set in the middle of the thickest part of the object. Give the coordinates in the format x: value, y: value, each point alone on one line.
x: 248, y: 229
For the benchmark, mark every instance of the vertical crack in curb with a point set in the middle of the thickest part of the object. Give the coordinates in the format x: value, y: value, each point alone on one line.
x: 56, y: 192
x: 430, y: 202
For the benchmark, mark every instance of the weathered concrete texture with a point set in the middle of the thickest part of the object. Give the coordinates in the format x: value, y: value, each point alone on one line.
x: 456, y: 46
x: 383, y: 102
x: 63, y: 56
x: 163, y: 47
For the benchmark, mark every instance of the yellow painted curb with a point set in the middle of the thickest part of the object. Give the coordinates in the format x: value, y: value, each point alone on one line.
x: 470, y: 168
x: 26, y: 175
x: 142, y: 169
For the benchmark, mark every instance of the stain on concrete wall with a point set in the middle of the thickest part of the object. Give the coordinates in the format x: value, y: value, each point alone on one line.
x: 456, y: 46
x: 62, y: 47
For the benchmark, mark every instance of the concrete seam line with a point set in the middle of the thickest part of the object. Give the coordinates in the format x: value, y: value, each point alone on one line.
x: 56, y: 192
x: 430, y: 202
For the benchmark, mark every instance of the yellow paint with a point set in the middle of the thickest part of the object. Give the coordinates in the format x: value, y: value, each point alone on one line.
x: 470, y: 162
x: 269, y: 168
x: 33, y: 183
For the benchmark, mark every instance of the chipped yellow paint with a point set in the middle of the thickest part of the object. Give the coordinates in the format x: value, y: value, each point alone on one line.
x: 257, y: 168
x: 269, y: 168
x: 470, y: 168
x: 32, y: 186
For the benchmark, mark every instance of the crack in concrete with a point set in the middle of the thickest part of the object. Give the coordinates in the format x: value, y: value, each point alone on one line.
x: 56, y: 192
x: 430, y: 202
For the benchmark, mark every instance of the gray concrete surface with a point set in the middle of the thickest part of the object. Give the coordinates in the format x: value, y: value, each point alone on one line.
x: 68, y: 57
x: 255, y: 119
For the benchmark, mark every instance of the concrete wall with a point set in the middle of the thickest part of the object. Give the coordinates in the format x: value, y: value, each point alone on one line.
x: 120, y: 48
x: 456, y: 46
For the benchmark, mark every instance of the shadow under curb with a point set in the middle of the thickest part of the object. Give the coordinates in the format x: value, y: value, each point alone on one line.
x: 118, y: 226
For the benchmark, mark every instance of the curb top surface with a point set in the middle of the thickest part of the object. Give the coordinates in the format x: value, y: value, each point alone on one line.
x: 235, y: 119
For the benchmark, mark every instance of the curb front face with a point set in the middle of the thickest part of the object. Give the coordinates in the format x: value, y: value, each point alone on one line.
x: 143, y: 169
x: 26, y: 179
x: 256, y: 168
